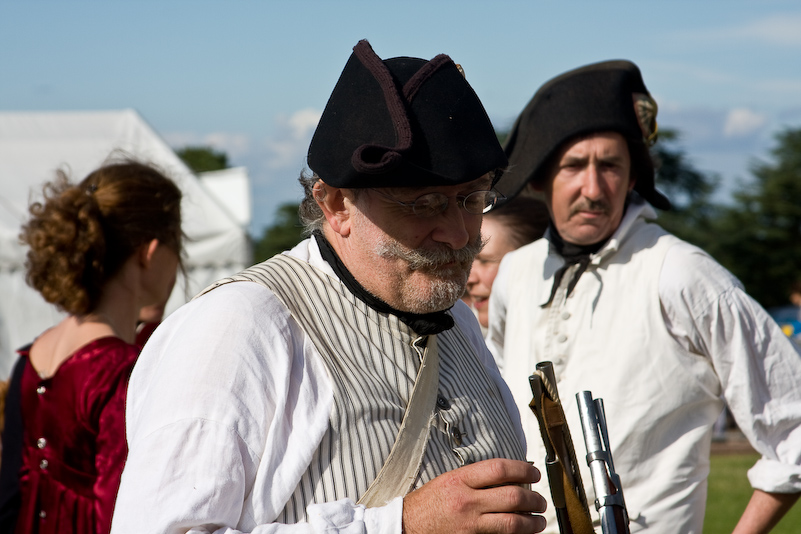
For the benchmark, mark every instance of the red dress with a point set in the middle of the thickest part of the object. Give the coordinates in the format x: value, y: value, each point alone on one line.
x: 74, y: 444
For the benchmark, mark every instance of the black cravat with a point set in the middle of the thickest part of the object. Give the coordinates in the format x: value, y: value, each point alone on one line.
x: 422, y: 324
x: 572, y: 254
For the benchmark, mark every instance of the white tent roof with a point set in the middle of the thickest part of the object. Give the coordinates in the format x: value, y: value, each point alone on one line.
x: 231, y: 187
x: 34, y: 144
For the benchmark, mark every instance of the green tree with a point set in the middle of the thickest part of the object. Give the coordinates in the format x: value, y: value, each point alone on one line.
x: 688, y: 189
x: 758, y: 238
x: 285, y: 233
x: 203, y: 158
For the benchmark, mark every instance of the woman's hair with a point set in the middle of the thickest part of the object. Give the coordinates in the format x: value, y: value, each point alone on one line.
x: 525, y: 219
x: 81, y: 235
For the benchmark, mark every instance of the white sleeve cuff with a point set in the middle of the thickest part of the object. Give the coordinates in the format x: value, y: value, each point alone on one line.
x: 346, y: 517
x: 775, y: 477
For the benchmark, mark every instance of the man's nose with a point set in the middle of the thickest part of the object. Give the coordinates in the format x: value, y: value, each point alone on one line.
x: 451, y: 226
x: 591, y: 185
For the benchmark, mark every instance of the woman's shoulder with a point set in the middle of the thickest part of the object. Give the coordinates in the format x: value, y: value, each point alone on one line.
x: 109, y: 349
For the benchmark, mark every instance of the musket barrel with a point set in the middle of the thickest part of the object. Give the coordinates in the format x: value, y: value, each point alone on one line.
x: 608, y: 492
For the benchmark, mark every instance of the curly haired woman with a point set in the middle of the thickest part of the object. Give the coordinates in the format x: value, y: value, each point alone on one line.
x: 100, y: 251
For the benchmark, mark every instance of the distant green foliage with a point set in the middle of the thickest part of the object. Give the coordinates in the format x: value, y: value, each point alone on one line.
x: 203, y: 158
x: 758, y: 238
x: 284, y: 234
x: 688, y: 189
x: 729, y: 493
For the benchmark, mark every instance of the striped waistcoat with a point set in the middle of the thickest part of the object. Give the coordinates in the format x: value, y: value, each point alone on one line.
x: 372, y: 362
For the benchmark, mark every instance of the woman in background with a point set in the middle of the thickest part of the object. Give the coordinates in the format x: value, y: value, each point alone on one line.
x: 100, y: 250
x: 506, y: 228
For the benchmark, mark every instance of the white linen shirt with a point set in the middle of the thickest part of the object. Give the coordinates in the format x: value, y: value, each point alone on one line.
x: 226, y: 406
x: 718, y: 342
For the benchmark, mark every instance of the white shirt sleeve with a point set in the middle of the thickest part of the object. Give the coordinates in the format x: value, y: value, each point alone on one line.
x: 496, y: 327
x: 759, y: 368
x: 226, y: 407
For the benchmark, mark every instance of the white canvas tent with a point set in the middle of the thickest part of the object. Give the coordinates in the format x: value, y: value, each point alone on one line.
x: 34, y: 144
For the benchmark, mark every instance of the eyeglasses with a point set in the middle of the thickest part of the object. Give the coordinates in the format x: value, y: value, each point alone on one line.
x: 431, y: 204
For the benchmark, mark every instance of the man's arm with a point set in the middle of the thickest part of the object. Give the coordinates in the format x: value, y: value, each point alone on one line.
x: 759, y: 371
x: 764, y: 511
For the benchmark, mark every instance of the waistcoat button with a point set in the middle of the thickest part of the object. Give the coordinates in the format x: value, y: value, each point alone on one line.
x: 41, y: 443
x: 40, y: 390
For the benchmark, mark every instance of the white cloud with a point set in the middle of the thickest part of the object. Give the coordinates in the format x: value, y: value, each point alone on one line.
x: 288, y: 145
x: 304, y: 122
x: 778, y: 29
x: 741, y: 122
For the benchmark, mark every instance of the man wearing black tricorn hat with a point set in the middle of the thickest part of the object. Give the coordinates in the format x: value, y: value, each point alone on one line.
x: 650, y: 324
x: 343, y: 385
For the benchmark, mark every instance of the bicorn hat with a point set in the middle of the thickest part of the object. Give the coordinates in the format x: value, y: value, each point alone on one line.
x: 606, y: 96
x: 403, y: 122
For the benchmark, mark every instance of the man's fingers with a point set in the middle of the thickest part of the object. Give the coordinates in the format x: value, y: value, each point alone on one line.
x: 498, y: 472
x: 511, y: 523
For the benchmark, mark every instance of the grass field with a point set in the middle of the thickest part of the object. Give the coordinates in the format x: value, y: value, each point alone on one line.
x: 729, y: 492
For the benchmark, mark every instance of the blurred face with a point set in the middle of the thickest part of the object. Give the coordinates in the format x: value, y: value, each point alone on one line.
x: 485, y: 266
x: 415, y: 264
x: 160, y: 278
x: 586, y: 194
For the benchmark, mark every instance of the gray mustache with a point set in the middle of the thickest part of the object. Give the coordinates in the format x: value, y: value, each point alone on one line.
x: 432, y: 258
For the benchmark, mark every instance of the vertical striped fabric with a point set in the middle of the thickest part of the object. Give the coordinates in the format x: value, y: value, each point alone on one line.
x: 372, y: 363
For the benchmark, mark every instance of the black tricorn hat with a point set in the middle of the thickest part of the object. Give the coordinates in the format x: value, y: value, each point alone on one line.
x: 403, y: 122
x: 606, y: 96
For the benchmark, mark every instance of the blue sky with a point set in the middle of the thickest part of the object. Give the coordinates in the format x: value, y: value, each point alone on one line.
x: 252, y: 78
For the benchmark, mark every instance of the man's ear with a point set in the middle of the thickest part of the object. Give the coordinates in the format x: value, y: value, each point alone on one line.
x: 632, y: 181
x: 336, y: 206
x: 146, y: 252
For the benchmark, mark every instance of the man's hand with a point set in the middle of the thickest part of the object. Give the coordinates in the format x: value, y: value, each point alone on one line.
x: 480, y: 498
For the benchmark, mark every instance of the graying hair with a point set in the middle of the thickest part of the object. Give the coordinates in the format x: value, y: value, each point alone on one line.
x: 309, y: 212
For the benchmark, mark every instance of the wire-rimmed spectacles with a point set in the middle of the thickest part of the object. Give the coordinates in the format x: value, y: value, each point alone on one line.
x: 430, y: 204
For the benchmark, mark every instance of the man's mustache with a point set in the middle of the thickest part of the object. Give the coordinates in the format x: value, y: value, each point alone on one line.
x: 591, y: 205
x: 432, y: 258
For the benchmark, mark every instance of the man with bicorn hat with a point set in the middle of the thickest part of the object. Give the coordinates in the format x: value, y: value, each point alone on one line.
x: 649, y: 323
x: 342, y: 386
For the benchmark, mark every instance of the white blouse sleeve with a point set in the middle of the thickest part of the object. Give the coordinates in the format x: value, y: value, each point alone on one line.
x: 498, y: 299
x: 226, y: 407
x: 759, y: 368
